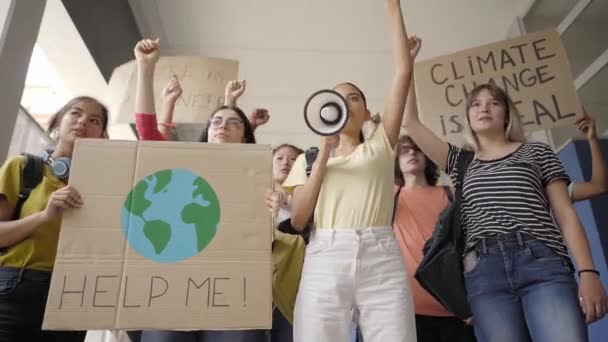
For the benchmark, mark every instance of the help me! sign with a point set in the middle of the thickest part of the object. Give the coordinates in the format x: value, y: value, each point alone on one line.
x: 172, y: 236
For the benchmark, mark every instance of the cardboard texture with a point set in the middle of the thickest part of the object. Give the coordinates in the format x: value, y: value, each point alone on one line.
x: 170, y: 271
x: 203, y: 81
x: 533, y: 69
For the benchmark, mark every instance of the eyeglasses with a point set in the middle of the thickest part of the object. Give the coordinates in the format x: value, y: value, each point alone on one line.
x: 232, y: 123
x: 405, y: 149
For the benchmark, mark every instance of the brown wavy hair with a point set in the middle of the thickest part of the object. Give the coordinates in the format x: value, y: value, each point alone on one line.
x: 431, y: 171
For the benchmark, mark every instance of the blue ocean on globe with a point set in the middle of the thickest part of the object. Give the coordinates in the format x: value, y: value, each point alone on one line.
x: 170, y: 215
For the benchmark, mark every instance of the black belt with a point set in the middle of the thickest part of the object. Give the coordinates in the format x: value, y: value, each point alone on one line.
x: 22, y: 273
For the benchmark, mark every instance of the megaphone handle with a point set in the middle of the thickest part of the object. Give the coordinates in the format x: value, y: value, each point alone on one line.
x: 332, y: 152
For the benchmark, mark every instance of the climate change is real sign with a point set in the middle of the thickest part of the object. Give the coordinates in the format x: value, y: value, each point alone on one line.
x: 533, y: 69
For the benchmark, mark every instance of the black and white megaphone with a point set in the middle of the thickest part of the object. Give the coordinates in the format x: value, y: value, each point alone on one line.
x: 326, y: 112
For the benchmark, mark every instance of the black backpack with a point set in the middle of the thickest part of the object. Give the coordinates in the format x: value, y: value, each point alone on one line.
x: 30, y: 178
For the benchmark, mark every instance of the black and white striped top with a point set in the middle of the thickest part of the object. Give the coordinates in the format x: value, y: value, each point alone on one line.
x: 507, y: 195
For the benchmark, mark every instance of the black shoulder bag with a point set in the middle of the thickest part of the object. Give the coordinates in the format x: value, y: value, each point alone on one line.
x: 440, y: 272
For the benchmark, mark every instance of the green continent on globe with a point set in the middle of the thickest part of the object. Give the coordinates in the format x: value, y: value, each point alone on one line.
x: 163, y: 178
x: 204, y: 218
x: 159, y: 234
x: 136, y: 202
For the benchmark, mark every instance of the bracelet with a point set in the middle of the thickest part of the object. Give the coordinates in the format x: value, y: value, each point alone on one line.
x: 169, y: 125
x: 589, y: 270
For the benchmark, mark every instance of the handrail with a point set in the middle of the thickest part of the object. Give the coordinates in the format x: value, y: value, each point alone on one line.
x: 30, y: 118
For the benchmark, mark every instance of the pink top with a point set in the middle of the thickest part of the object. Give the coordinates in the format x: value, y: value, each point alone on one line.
x: 147, y: 127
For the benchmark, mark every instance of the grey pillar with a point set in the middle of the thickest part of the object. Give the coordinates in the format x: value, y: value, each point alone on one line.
x: 19, y: 24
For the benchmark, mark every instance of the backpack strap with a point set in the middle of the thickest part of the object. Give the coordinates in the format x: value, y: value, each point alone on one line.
x: 395, y: 204
x: 448, y: 193
x: 311, y: 156
x: 462, y: 164
x: 30, y: 178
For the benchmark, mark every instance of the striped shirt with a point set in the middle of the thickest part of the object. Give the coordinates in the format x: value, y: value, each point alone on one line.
x: 508, y: 195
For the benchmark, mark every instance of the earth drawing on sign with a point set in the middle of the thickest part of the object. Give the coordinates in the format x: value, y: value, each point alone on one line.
x: 170, y: 215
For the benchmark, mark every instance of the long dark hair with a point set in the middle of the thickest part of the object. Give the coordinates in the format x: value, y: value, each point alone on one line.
x: 361, y: 137
x: 55, y: 120
x: 431, y: 172
x: 292, y: 147
x: 359, y: 90
x: 248, y: 129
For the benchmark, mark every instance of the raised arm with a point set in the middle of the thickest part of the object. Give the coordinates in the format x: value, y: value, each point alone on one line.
x: 599, y: 177
x: 171, y: 93
x: 428, y: 142
x: 146, y: 55
x: 395, y: 102
x: 234, y: 90
x: 259, y: 117
x: 411, y: 104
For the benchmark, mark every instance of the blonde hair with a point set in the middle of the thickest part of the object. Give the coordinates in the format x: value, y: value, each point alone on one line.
x: 514, y: 131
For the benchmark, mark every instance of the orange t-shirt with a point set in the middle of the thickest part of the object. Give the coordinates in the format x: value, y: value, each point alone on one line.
x: 416, y: 214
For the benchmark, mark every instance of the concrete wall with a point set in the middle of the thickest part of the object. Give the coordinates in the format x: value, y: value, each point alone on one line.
x: 289, y: 49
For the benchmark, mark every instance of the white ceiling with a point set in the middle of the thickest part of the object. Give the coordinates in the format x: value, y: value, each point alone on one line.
x: 287, y: 49
x: 321, y: 25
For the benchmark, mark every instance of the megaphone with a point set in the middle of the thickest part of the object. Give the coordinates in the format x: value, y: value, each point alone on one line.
x: 326, y: 112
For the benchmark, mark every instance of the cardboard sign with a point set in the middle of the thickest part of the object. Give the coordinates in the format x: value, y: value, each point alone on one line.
x: 203, y: 81
x: 172, y: 236
x: 533, y: 69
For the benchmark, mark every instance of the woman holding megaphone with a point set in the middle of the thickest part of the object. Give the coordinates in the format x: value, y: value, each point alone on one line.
x: 353, y: 261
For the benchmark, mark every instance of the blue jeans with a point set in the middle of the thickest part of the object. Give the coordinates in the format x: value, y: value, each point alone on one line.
x: 521, y: 290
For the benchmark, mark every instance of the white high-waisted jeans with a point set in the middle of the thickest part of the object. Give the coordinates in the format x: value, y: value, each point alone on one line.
x: 361, y: 270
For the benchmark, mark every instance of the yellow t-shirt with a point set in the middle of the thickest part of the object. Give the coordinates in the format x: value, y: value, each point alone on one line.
x: 39, y: 249
x: 357, y: 191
